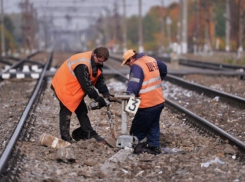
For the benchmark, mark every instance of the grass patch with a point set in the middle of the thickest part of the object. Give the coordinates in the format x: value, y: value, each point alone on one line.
x: 229, y: 61
x: 235, y: 61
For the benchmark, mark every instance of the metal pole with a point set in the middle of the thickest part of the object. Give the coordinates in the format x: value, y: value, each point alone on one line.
x: 162, y: 26
x: 242, y: 25
x: 207, y: 45
x: 184, y: 35
x: 180, y: 22
x: 2, y: 30
x: 227, y: 25
x: 124, y: 27
x: 195, y: 47
x: 169, y: 31
x: 141, y: 48
x: 239, y: 38
x: 124, y: 118
x: 106, y: 26
x: 114, y: 36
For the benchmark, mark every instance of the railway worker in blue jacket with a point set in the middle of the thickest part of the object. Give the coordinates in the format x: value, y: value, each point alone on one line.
x: 146, y: 74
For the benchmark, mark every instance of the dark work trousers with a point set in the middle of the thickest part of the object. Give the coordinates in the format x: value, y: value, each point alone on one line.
x: 146, y: 124
x: 65, y: 117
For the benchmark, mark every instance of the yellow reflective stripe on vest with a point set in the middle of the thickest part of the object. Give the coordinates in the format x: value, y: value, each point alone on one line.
x: 148, y: 89
x: 75, y: 62
x: 151, y: 80
x: 137, y: 80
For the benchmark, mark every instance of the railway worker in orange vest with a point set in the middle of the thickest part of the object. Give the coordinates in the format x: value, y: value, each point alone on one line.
x: 146, y: 75
x: 77, y: 77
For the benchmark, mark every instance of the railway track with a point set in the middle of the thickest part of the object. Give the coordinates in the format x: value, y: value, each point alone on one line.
x: 204, y: 65
x: 224, y: 115
x: 14, y: 94
x: 175, y: 134
x: 18, y: 129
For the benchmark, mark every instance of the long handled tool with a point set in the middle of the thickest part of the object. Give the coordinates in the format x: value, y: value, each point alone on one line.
x: 111, y: 141
x: 120, y: 98
x: 111, y: 122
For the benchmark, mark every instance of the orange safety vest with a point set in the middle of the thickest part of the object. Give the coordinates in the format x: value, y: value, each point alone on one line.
x: 151, y: 90
x: 65, y: 83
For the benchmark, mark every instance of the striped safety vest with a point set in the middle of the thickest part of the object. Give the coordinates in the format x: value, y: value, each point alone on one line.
x: 151, y: 90
x: 65, y: 83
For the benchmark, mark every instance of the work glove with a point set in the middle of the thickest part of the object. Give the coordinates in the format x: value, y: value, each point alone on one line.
x: 107, y: 95
x: 101, y: 101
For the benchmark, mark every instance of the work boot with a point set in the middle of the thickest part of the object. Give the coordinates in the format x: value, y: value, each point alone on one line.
x: 67, y: 139
x: 146, y: 148
x: 139, y: 148
x: 78, y: 134
x: 95, y: 135
x: 153, y: 149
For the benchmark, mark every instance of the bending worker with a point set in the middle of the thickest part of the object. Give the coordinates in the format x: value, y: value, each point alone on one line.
x: 146, y: 75
x: 75, y: 79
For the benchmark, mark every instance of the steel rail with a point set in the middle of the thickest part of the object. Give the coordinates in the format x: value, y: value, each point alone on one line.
x: 210, y: 64
x: 215, y: 129
x: 201, y: 64
x: 199, y: 120
x: 206, y: 90
x: 115, y: 71
x: 6, y: 154
x: 34, y: 62
x: 19, y: 62
x: 3, y: 61
x: 207, y: 68
x: 200, y: 88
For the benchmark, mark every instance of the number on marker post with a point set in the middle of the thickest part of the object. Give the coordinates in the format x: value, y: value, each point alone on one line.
x: 133, y: 105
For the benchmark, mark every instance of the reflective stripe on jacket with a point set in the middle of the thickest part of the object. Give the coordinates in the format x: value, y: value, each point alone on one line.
x: 151, y: 90
x: 65, y: 83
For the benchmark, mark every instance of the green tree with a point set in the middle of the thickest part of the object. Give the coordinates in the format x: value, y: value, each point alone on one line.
x: 9, y: 25
x: 8, y: 34
x: 8, y: 39
x: 14, y: 27
x: 132, y: 31
x: 220, y: 19
x: 150, y: 27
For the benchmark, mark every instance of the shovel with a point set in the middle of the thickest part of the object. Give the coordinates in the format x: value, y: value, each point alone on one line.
x: 111, y: 141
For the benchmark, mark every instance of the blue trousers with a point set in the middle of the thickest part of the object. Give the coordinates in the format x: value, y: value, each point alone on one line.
x: 146, y: 124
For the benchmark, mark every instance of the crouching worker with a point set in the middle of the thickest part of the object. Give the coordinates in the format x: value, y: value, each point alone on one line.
x: 146, y: 75
x: 77, y: 77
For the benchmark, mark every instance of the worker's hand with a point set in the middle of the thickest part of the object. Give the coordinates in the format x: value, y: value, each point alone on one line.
x: 101, y: 101
x: 107, y: 95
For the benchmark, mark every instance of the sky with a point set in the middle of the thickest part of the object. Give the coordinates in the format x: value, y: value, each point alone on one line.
x: 11, y: 6
x: 132, y: 8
